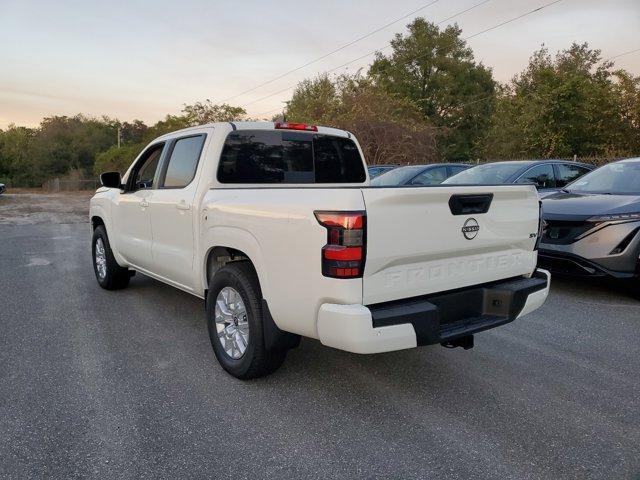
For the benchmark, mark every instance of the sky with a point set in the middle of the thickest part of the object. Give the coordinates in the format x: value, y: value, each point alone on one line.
x: 143, y: 60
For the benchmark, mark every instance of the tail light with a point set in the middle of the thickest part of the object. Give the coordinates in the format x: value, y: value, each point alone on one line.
x: 295, y: 126
x: 344, y: 254
x: 542, y: 226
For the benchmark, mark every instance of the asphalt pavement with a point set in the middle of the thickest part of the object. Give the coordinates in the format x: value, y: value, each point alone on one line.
x: 125, y: 385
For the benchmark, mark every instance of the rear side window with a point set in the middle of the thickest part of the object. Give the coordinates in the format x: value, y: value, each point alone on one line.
x: 264, y: 156
x: 183, y: 161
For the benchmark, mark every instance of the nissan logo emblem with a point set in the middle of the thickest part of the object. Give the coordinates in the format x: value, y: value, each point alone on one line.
x: 470, y: 229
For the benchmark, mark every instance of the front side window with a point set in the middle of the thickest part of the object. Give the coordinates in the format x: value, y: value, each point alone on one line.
x: 541, y: 176
x: 265, y: 156
x: 567, y: 173
x: 432, y: 176
x: 183, y: 162
x: 144, y: 171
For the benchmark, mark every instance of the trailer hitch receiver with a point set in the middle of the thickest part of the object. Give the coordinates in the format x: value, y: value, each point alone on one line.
x: 465, y: 342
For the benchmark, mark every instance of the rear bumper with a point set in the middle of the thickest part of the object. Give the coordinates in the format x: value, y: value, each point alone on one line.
x: 430, y: 319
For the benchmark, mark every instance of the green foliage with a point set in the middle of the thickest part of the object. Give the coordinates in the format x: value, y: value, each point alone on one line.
x: 436, y: 70
x: 14, y: 152
x: 133, y: 132
x: 626, y: 90
x: 119, y: 159
x: 206, y: 112
x: 88, y: 146
x: 390, y: 129
x: 573, y: 104
x: 314, y: 101
x: 60, y: 144
x: 116, y: 159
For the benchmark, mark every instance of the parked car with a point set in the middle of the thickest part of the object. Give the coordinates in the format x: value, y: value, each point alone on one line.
x: 547, y: 175
x: 376, y: 170
x: 274, y: 226
x: 2, y: 188
x: 593, y: 224
x: 433, y: 174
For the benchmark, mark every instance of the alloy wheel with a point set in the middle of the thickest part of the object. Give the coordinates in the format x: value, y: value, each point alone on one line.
x: 232, y: 325
x: 101, y: 259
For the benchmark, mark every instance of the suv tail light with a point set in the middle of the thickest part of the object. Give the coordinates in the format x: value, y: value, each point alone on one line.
x: 344, y: 254
x: 542, y: 226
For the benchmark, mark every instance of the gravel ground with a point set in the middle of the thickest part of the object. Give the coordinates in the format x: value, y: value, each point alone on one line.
x: 99, y: 384
x: 39, y: 208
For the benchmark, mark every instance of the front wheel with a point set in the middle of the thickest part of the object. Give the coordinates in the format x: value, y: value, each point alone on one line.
x: 109, y: 274
x: 235, y: 323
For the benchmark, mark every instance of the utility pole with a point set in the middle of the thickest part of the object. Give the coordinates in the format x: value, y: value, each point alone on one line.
x: 118, y: 136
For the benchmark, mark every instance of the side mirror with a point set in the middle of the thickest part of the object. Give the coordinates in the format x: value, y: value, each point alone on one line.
x: 111, y: 180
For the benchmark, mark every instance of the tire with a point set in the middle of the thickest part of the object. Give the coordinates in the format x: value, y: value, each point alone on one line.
x: 113, y: 276
x: 255, y: 361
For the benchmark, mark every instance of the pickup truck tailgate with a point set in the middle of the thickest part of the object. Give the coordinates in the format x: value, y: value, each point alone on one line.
x: 422, y: 240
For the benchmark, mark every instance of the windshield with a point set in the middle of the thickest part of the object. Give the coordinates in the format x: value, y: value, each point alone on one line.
x: 489, y: 174
x: 397, y: 176
x: 621, y: 178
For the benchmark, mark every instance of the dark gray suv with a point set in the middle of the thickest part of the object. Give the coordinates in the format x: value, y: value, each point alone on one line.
x: 592, y: 226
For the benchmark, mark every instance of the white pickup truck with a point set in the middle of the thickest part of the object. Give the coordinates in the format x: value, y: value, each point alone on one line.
x: 276, y: 227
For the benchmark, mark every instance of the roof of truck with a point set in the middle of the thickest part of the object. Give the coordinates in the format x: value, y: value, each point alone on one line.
x: 258, y: 126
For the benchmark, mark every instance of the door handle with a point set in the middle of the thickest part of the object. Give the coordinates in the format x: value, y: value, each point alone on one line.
x: 144, y: 203
x: 182, y: 205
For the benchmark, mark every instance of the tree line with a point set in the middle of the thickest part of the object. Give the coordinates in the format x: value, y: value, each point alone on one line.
x: 428, y: 100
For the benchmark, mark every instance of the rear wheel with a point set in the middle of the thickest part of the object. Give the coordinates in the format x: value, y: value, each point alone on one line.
x: 109, y: 274
x: 235, y: 322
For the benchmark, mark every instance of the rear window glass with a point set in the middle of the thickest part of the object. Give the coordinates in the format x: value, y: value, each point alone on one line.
x: 265, y: 156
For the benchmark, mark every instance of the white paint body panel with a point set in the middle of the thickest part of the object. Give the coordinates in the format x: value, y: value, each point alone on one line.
x: 536, y: 299
x: 132, y: 220
x: 414, y: 244
x: 173, y: 235
x: 349, y: 327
